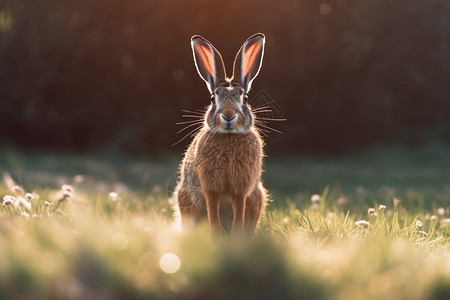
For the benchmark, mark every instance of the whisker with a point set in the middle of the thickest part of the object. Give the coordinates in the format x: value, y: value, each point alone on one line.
x: 190, y: 116
x: 190, y: 121
x: 260, y: 107
x: 188, y: 126
x: 270, y: 119
x: 263, y: 132
x: 270, y: 128
x: 258, y: 120
x: 262, y: 111
x: 199, y: 112
x: 262, y: 129
x: 194, y: 131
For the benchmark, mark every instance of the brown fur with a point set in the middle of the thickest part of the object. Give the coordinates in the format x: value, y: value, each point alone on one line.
x: 216, y: 166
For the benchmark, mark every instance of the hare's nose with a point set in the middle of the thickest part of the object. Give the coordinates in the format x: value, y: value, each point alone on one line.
x: 229, y: 121
x: 227, y: 118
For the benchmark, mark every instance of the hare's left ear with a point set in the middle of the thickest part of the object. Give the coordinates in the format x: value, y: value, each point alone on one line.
x: 209, y: 62
x: 248, y: 61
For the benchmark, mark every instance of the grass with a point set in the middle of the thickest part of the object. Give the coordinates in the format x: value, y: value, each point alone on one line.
x: 90, y: 244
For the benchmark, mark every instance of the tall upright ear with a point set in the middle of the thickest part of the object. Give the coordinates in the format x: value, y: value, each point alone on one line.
x: 248, y: 60
x: 209, y: 62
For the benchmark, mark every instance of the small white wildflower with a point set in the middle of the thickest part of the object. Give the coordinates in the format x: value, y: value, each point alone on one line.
x: 418, y: 224
x: 65, y: 195
x: 382, y: 207
x: 67, y: 188
x: 315, y: 199
x: 422, y: 233
x: 371, y: 212
x: 22, y: 203
x: 363, y: 224
x: 113, y: 196
x: 433, y: 218
x: 29, y: 196
x: 441, y: 211
x: 7, y: 200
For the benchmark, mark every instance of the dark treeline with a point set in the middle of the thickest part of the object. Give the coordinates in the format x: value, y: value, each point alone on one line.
x: 80, y: 74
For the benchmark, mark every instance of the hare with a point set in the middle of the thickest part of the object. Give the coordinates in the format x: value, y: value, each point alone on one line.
x: 220, y: 174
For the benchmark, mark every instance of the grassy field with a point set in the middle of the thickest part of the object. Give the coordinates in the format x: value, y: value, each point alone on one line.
x: 99, y: 227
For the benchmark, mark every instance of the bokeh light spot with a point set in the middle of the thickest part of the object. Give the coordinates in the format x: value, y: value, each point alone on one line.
x: 119, y: 241
x: 170, y: 263
x: 325, y: 9
x: 178, y: 74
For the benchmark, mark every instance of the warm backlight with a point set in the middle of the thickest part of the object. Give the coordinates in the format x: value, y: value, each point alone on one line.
x: 207, y: 58
x: 250, y: 55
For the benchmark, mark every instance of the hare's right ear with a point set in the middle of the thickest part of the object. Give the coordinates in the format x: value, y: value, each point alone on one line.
x: 209, y: 62
x: 248, y: 61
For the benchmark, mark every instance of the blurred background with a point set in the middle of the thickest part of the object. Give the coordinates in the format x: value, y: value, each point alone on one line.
x: 90, y: 94
x: 347, y: 74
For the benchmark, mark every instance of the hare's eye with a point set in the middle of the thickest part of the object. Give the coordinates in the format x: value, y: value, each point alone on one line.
x: 213, y: 98
x: 245, y: 98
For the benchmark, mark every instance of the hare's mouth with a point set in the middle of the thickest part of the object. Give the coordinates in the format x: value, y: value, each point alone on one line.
x: 231, y: 130
x: 229, y: 127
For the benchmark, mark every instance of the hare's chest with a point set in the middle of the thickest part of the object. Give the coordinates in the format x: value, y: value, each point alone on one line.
x: 221, y: 162
x: 228, y: 157
x: 232, y: 167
